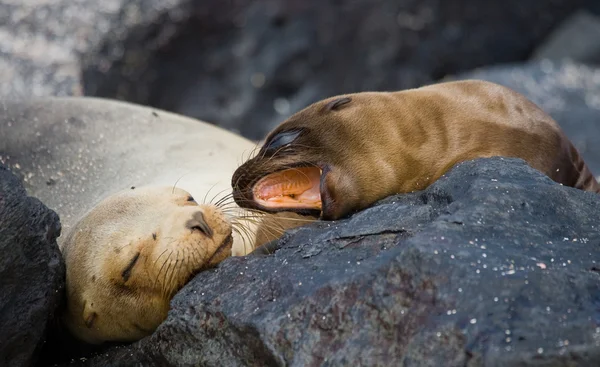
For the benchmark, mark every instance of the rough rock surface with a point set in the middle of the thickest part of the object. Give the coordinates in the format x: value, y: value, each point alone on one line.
x: 494, y: 265
x: 569, y: 92
x: 245, y: 64
x: 31, y: 272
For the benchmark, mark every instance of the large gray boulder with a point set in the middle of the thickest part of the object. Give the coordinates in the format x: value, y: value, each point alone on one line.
x: 31, y: 272
x: 493, y: 265
x: 247, y: 65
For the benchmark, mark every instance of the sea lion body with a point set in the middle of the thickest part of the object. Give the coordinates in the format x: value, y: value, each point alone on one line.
x: 355, y: 149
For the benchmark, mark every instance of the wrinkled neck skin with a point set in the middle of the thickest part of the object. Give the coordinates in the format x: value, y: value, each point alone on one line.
x: 366, y: 146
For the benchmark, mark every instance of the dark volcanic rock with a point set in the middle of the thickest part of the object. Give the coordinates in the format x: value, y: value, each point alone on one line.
x: 568, y: 91
x: 576, y: 40
x: 246, y: 65
x: 494, y: 265
x: 31, y: 272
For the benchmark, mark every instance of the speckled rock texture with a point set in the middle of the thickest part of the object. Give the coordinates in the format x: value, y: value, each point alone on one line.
x: 247, y: 65
x: 493, y: 265
x: 569, y: 92
x: 31, y: 272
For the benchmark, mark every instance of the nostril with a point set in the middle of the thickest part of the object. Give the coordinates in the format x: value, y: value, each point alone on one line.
x: 204, y: 229
x: 199, y: 224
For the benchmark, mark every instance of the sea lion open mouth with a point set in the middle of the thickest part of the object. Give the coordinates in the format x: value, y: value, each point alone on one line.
x: 294, y: 188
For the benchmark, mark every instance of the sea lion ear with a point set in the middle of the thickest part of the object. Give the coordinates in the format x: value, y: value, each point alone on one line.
x: 337, y: 103
x: 89, y: 314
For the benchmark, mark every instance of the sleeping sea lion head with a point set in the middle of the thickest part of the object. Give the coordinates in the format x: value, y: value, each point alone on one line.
x: 131, y: 253
x: 306, y: 164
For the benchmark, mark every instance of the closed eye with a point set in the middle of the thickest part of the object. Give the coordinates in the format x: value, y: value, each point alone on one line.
x: 127, y: 272
x: 282, y: 139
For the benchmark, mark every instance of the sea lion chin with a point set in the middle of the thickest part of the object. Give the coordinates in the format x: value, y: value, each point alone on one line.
x: 131, y: 253
x: 344, y: 153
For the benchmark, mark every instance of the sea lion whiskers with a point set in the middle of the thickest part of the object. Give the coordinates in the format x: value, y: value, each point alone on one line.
x: 250, y: 152
x: 159, y: 256
x: 207, y: 192
x: 193, y: 255
x: 248, y: 237
x: 230, y: 213
x: 224, y: 200
x: 255, y: 150
x: 270, y: 226
x: 175, y: 184
x: 169, y: 273
x: 229, y: 207
x: 162, y: 267
x: 259, y: 214
x: 179, y: 264
x: 268, y: 231
x: 243, y: 233
x: 217, y: 194
x: 186, y: 263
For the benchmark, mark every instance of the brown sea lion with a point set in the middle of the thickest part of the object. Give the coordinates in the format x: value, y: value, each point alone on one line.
x: 342, y: 154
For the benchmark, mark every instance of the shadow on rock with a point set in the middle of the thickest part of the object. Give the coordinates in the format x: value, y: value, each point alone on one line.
x: 32, y: 273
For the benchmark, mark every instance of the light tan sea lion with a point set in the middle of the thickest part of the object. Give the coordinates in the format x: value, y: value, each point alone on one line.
x: 131, y: 253
x: 342, y: 154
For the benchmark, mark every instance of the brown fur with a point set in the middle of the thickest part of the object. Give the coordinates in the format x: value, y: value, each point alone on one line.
x: 374, y: 144
x: 131, y: 253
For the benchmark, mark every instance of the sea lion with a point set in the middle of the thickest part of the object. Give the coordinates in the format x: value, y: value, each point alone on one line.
x: 342, y: 154
x: 137, y: 193
x: 132, y: 252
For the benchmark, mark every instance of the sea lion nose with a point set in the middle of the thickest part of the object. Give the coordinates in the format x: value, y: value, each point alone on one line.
x: 199, y: 223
